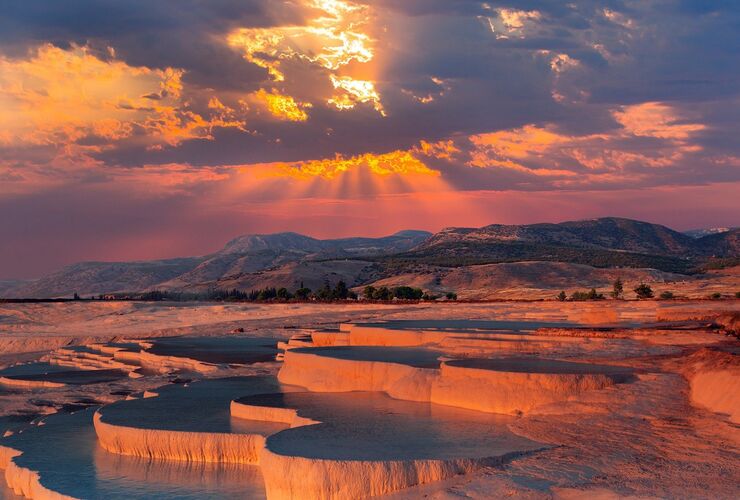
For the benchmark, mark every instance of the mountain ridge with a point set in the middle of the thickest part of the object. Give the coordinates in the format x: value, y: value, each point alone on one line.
x: 289, y: 258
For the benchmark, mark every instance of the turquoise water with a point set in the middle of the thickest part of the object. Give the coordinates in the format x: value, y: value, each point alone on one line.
x: 411, y: 356
x: 218, y: 350
x: 66, y: 454
x: 539, y: 365
x: 62, y: 374
x: 373, y: 426
x: 197, y: 407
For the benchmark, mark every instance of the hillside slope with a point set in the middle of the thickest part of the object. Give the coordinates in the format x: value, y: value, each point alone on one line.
x: 238, y: 258
x: 542, y: 251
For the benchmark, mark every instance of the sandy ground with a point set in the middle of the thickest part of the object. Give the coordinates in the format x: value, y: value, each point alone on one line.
x: 650, y: 438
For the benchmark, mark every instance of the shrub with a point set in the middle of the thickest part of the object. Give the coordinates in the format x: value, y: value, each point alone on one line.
x: 340, y: 291
x: 715, y: 296
x: 383, y: 293
x: 451, y: 296
x: 618, y: 289
x: 592, y: 294
x: 407, y: 293
x: 667, y: 295
x: 562, y: 296
x: 644, y: 291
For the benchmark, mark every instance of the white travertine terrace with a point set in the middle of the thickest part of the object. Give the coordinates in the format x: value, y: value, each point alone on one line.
x: 30, y: 384
x: 178, y: 445
x: 718, y: 391
x: 317, y: 373
x: 491, y: 371
x: 288, y: 477
x: 517, y: 386
x: 287, y: 416
x: 360, y: 444
x: 24, y: 481
x: 497, y: 386
x: 714, y: 382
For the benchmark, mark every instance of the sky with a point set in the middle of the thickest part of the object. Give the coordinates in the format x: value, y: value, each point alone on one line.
x: 150, y: 129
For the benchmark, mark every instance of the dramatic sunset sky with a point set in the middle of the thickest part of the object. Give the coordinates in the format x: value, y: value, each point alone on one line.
x: 144, y: 128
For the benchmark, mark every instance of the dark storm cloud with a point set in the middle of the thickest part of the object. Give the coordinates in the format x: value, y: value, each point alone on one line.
x: 673, y: 51
x: 185, y: 34
x: 445, y: 70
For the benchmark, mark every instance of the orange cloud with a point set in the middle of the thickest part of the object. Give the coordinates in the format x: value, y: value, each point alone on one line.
x: 353, y: 92
x: 283, y: 107
x: 335, y: 38
x: 58, y: 97
x: 538, y: 150
x: 655, y: 119
x: 441, y: 149
x: 395, y: 162
x: 506, y: 23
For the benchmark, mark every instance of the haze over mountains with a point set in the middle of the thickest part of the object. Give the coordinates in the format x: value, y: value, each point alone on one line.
x: 570, y: 253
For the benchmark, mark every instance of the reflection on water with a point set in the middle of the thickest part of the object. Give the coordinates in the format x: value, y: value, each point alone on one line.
x: 54, y: 373
x: 373, y: 426
x: 411, y: 356
x: 198, y: 407
x: 66, y: 454
x: 219, y: 350
x: 177, y: 479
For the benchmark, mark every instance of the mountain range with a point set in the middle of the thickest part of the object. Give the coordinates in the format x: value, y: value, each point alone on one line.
x: 579, y: 251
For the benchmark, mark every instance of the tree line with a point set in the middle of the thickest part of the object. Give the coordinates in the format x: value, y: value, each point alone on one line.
x: 327, y: 293
x: 642, y: 291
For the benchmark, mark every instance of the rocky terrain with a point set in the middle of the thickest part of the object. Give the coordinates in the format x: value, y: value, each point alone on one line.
x: 620, y: 399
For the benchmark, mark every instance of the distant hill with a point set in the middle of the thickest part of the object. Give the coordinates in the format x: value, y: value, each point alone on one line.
x: 722, y: 245
x: 699, y: 233
x: 517, y: 280
x: 294, y: 242
x: 239, y: 257
x: 92, y: 278
x: 606, y: 242
x: 289, y: 259
x: 606, y: 234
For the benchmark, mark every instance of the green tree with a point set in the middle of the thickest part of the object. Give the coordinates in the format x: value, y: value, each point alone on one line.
x: 383, y: 293
x: 644, y: 291
x: 562, y: 296
x: 340, y: 291
x: 325, y: 292
x: 451, y: 296
x: 303, y: 293
x: 407, y: 293
x: 267, y: 294
x: 617, y: 288
x: 369, y: 292
x: 284, y: 294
